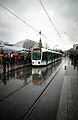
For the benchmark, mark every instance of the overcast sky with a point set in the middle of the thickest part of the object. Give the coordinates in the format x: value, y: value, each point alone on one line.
x: 63, y: 14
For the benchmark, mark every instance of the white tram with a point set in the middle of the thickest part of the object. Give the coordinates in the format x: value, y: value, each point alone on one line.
x: 42, y: 56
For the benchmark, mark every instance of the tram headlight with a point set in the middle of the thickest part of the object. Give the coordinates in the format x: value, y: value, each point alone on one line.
x: 38, y: 62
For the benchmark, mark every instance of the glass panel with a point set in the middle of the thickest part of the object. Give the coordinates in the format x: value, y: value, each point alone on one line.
x: 36, y: 56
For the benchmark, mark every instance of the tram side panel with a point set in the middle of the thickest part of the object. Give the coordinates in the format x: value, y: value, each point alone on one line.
x: 49, y: 57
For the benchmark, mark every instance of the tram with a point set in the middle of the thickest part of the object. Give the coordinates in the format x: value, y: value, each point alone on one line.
x: 42, y: 56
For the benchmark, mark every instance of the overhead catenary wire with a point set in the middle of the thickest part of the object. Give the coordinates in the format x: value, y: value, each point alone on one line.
x: 49, y: 18
x: 22, y: 20
x: 70, y: 28
x: 18, y: 17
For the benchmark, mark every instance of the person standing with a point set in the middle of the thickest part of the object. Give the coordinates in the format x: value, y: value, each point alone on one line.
x: 4, y: 62
x: 8, y: 62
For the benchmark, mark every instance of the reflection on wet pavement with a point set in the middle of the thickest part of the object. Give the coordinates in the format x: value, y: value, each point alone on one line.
x: 39, y: 75
x: 23, y: 84
x: 36, y: 75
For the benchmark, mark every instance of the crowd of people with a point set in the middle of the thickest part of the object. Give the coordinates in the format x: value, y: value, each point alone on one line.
x: 74, y: 58
x: 11, y: 59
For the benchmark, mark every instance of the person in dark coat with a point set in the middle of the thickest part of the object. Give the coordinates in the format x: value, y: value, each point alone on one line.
x: 4, y: 62
x: 8, y: 61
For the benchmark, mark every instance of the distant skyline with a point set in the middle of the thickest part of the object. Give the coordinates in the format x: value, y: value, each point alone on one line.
x: 57, y: 20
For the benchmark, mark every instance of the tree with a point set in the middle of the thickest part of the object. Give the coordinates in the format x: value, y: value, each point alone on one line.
x: 29, y: 44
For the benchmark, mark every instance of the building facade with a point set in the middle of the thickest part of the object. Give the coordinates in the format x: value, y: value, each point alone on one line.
x: 75, y: 47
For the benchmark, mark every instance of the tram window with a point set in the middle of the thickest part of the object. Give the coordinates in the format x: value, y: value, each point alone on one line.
x: 56, y: 56
x: 49, y: 56
x: 52, y: 56
x: 44, y: 56
x: 36, y: 56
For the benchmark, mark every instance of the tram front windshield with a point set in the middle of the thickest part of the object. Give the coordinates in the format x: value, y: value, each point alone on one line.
x: 36, y: 55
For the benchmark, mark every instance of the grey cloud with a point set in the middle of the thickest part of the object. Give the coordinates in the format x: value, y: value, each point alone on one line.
x: 67, y: 10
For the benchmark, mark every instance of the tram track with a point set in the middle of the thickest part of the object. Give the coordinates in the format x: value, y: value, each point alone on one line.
x: 25, y: 84
x: 5, y: 97
x: 23, y: 96
x: 39, y: 97
x: 13, y: 92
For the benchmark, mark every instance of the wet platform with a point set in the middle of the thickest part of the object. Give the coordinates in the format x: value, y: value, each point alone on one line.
x: 68, y: 105
x: 58, y: 102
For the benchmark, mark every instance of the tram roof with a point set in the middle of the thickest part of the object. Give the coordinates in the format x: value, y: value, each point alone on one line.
x: 49, y: 50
